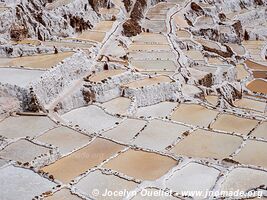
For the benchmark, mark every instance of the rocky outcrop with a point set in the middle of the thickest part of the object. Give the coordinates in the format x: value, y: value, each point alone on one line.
x: 131, y: 28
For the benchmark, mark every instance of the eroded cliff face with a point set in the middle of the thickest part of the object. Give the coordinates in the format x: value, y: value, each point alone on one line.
x: 43, y: 20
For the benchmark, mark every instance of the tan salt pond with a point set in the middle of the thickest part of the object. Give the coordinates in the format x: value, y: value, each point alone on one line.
x: 207, y: 144
x: 65, y: 139
x: 194, y: 55
x: 260, y: 131
x: 159, y: 134
x: 180, y: 20
x: 125, y: 131
x: 89, y: 117
x: 105, y: 74
x: 154, y: 65
x: 243, y: 179
x: 183, y: 34
x: 209, y: 44
x: 162, y: 109
x: 258, y: 86
x: 153, y: 16
x: 150, y: 38
x: 149, y: 81
x: 90, y: 35
x: 141, y: 165
x: 192, y: 177
x: 15, y: 127
x: 63, y: 194
x: 164, y: 55
x: 80, y: 161
x: 155, y: 26
x: 250, y: 104
x: 70, y: 44
x: 149, y: 47
x: 103, y: 26
x: 204, y: 21
x: 241, y: 72
x: 231, y: 123
x: 238, y: 49
x: 118, y: 105
x: 253, y: 153
x: 23, y: 151
x: 215, y: 61
x: 194, y: 115
x: 108, y: 11
x: 37, y: 61
x: 102, y: 182
x: 212, y: 99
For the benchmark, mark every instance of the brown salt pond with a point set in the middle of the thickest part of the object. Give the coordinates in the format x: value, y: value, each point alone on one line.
x: 250, y: 104
x: 162, y: 109
x: 63, y: 194
x: 183, y: 34
x: 231, y: 123
x: 255, y: 66
x: 141, y: 165
x: 258, y: 86
x: 118, y: 105
x: 243, y: 179
x: 82, y: 160
x: 192, y: 177
x: 201, y: 116
x: 23, y: 151
x: 154, y: 65
x: 99, y: 76
x: 102, y: 182
x: 159, y: 134
x: 15, y: 127
x: 260, y: 131
x: 207, y: 144
x: 29, y: 42
x: 125, y: 131
x: 253, y: 153
x: 149, y: 81
x: 44, y: 61
x: 65, y: 139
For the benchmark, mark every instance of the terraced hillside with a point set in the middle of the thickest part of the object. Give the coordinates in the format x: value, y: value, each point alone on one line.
x: 133, y: 99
